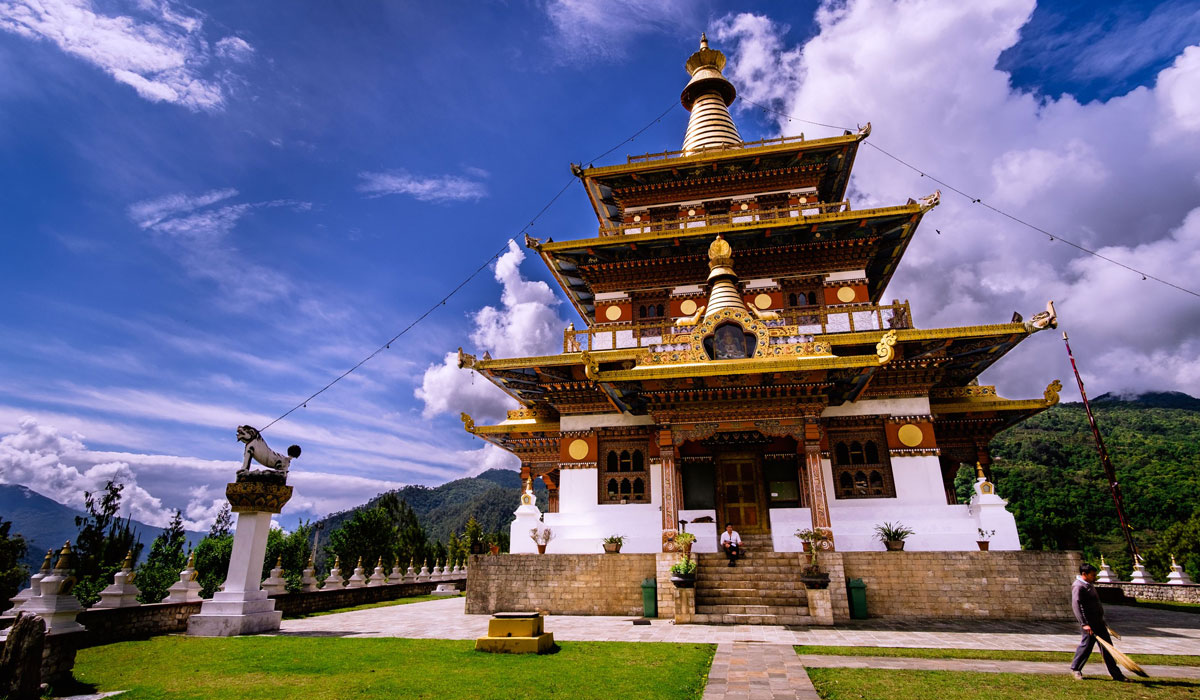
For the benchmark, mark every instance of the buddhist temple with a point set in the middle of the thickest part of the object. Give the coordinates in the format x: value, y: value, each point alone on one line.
x: 737, y: 364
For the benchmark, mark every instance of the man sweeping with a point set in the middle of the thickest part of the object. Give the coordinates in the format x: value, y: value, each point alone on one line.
x: 1085, y: 603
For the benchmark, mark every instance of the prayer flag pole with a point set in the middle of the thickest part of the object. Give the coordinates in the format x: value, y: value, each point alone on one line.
x: 1113, y: 487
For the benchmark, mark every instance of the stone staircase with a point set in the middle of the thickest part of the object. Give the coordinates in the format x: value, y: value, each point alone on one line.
x: 763, y: 589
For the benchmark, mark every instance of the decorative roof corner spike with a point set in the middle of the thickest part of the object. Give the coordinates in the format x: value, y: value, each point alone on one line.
x: 465, y: 360
x: 533, y: 243
x: 1043, y: 319
x: 928, y: 202
x: 885, y: 350
x: 708, y: 96
x: 468, y: 422
x: 1051, y: 393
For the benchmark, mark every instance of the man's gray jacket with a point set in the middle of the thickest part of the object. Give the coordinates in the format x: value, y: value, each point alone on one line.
x: 1085, y: 603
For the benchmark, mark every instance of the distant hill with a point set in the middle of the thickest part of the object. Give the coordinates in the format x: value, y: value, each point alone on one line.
x: 490, y: 497
x: 1048, y: 469
x: 1151, y: 399
x: 46, y: 523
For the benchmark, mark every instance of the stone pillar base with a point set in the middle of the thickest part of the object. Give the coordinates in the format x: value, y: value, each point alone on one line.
x: 229, y: 614
x: 685, y: 605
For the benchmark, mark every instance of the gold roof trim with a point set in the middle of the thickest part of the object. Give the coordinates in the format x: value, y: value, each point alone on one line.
x: 626, y: 239
x: 971, y: 402
x: 751, y: 366
x: 667, y: 160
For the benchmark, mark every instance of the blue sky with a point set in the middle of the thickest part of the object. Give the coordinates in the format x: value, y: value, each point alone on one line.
x: 212, y: 210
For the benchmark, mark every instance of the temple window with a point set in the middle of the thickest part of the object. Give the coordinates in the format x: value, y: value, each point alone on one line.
x: 730, y: 342
x: 626, y: 474
x: 860, y: 468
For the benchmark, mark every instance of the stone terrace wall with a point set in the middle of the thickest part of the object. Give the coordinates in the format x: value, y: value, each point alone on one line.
x: 1169, y: 593
x: 107, y: 625
x: 561, y: 584
x: 292, y: 604
x: 947, y: 585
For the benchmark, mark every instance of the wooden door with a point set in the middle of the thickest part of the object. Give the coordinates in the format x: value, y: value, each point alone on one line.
x: 739, y: 490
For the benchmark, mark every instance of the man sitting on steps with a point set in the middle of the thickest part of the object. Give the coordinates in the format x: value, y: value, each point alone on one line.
x: 731, y: 542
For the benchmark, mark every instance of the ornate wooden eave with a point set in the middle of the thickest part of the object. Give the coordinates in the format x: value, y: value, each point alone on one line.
x: 675, y: 169
x: 976, y: 413
x: 869, y: 239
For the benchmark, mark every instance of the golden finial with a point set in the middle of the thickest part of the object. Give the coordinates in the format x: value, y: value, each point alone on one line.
x: 311, y: 563
x: 380, y: 562
x: 191, y: 563
x: 64, y: 558
x: 1101, y: 561
x: 337, y: 562
x: 979, y: 471
x: 703, y: 40
x: 359, y: 564
x: 47, y: 565
x: 128, y: 563
x: 1173, y: 564
x: 720, y: 258
x: 279, y: 562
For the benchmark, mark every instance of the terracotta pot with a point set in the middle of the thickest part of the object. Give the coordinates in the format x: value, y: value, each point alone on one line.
x: 894, y: 545
x: 494, y: 548
x: 686, y: 548
x: 807, y: 546
x: 541, y: 549
x: 612, y: 548
x: 983, y: 545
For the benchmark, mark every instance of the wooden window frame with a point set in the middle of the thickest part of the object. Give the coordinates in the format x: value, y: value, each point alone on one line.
x: 848, y: 457
x: 624, y: 451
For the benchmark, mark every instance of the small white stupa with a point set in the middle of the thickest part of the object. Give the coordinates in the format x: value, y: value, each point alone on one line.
x: 187, y: 588
x: 275, y: 583
x: 1139, y: 572
x: 122, y: 593
x: 335, y: 582
x: 1106, y: 572
x: 1178, y: 576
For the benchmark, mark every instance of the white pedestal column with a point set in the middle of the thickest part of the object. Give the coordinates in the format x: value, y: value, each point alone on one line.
x: 243, y: 608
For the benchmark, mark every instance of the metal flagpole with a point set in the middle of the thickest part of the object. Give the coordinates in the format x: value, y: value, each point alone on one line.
x: 1113, y: 487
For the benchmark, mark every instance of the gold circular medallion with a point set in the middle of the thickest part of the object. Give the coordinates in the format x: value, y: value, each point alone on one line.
x: 637, y: 217
x: 762, y: 301
x: 691, y: 212
x: 910, y: 435
x: 745, y: 206
x: 845, y: 294
x: 578, y: 449
x: 688, y: 307
x: 612, y: 313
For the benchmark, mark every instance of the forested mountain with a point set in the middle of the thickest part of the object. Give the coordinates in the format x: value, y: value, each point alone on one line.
x: 46, y: 524
x: 1048, y: 469
x: 490, y: 498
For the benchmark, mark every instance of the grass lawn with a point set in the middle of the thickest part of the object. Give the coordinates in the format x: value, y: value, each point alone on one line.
x: 314, y: 668
x: 846, y: 683
x: 368, y: 606
x: 989, y: 654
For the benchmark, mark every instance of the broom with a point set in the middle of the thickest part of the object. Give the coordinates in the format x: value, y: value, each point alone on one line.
x: 1123, y: 659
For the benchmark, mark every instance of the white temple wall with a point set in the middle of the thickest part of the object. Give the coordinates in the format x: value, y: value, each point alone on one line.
x: 917, y: 406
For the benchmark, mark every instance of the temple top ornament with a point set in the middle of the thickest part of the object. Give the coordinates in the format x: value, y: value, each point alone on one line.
x: 708, y: 96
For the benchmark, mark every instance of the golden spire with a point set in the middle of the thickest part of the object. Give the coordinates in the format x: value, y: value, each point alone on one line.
x: 127, y: 565
x: 708, y: 96
x: 724, y: 293
x: 46, y: 563
x: 979, y: 471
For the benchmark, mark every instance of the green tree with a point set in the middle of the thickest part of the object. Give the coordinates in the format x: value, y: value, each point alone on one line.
x: 474, y: 536
x: 411, y: 540
x: 1181, y: 540
x: 164, y: 562
x: 964, y: 483
x: 222, y: 524
x: 102, y: 544
x: 212, y: 562
x: 292, y: 550
x: 13, y: 573
x: 370, y: 533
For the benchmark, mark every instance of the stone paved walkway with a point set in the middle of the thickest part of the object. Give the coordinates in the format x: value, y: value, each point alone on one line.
x: 1145, y: 630
x: 747, y: 671
x: 1095, y: 667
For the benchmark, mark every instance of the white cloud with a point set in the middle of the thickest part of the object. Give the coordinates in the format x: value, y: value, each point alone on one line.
x: 195, y: 231
x: 526, y: 324
x: 161, y: 53
x: 605, y: 29
x: 436, y: 188
x: 235, y: 49
x: 1120, y: 175
x: 489, y: 457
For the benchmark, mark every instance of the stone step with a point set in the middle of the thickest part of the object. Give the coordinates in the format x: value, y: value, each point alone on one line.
x: 718, y: 585
x: 717, y: 557
x: 788, y: 598
x: 752, y: 609
x: 748, y: 569
x: 731, y: 574
x: 738, y: 619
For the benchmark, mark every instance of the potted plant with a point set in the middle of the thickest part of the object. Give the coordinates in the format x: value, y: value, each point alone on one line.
x: 612, y: 544
x: 984, y: 538
x: 541, y: 537
x: 811, y: 574
x: 683, y: 572
x: 893, y: 535
x: 684, y: 541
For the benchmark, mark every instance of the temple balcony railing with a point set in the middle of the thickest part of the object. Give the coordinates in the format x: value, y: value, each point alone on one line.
x: 667, y: 155
x: 749, y: 217
x: 794, y: 326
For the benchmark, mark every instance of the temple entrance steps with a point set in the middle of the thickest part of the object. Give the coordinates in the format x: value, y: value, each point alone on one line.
x: 763, y: 589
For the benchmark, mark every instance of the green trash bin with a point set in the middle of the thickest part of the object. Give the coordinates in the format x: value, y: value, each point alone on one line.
x: 857, y: 591
x: 649, y: 598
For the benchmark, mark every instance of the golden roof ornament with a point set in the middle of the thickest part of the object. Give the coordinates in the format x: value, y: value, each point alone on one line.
x: 708, y: 96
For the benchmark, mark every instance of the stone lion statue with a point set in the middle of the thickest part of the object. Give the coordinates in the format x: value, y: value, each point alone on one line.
x: 258, y: 451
